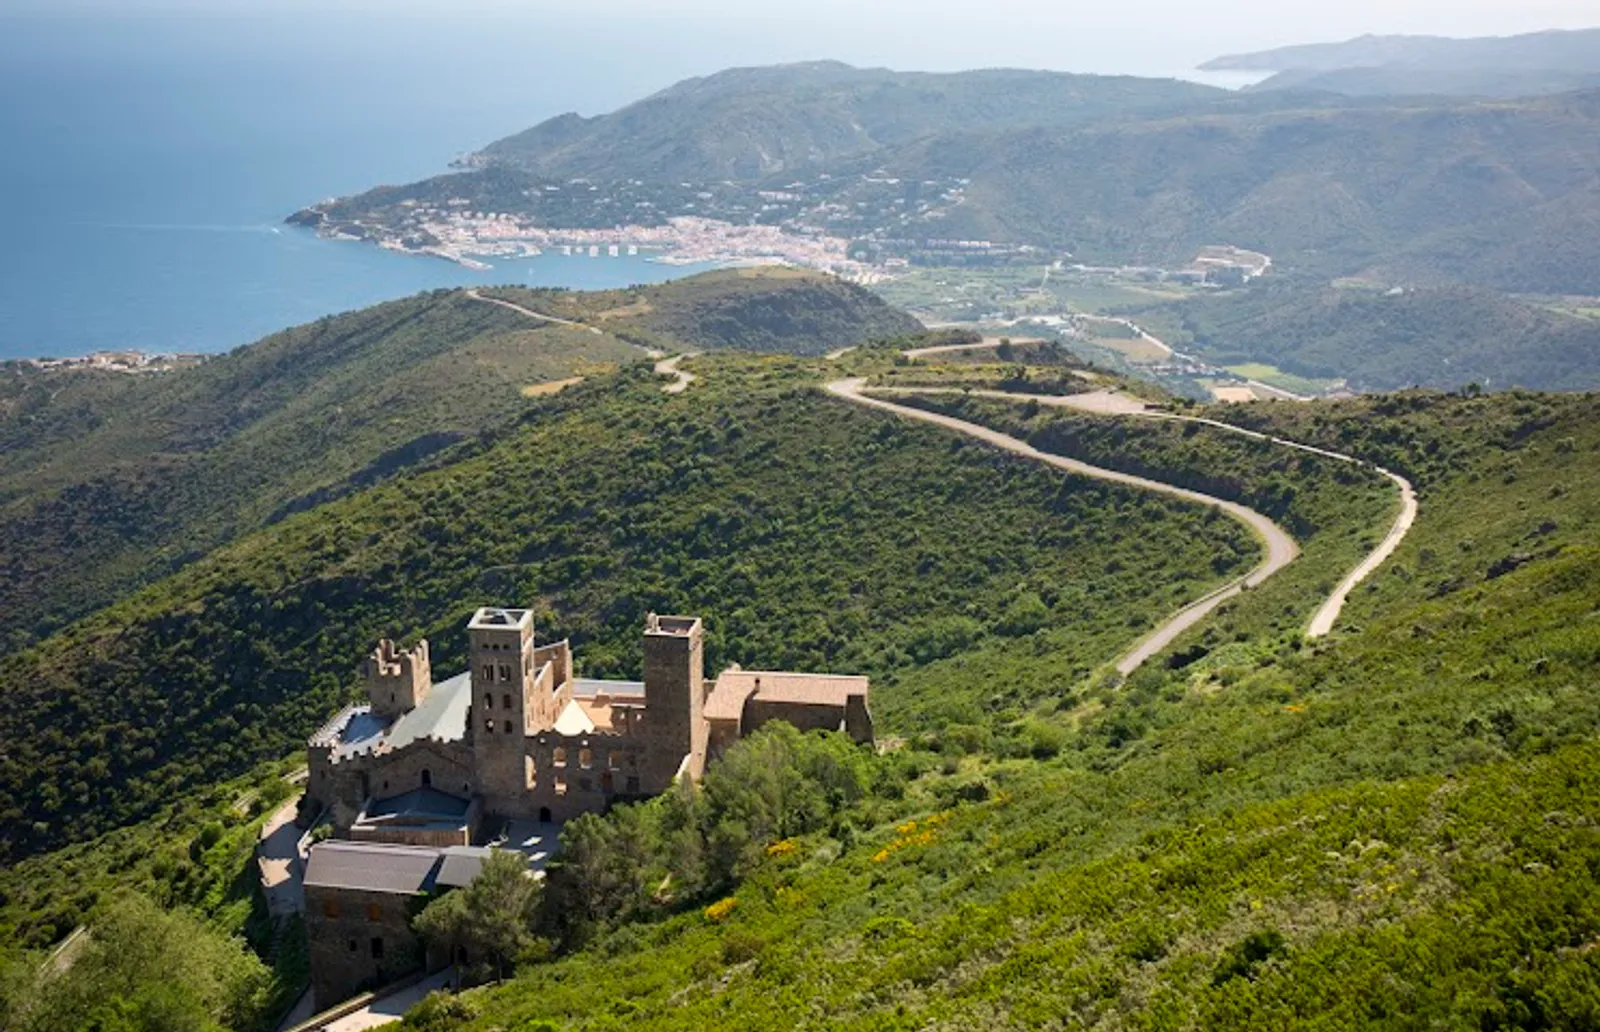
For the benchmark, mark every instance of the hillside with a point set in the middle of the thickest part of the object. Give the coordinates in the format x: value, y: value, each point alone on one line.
x: 1381, y: 340
x: 1428, y: 191
x: 1498, y: 195
x: 752, y: 123
x: 1260, y: 834
x: 1572, y: 51
x: 1252, y: 831
x: 109, y: 481
x: 746, y: 498
x: 1399, y: 81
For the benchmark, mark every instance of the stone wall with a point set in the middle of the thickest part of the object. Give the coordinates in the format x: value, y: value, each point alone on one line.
x: 358, y: 940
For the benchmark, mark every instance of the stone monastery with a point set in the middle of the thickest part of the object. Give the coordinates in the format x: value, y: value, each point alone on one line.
x: 419, y: 780
x: 519, y: 738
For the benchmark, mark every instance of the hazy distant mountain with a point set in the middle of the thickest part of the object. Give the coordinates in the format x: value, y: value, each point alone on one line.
x: 1513, y: 66
x: 1504, y: 195
x: 1575, y: 51
x: 1396, y: 80
x: 1430, y: 192
x: 746, y: 123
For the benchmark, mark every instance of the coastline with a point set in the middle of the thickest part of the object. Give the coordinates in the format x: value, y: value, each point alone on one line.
x: 470, y: 239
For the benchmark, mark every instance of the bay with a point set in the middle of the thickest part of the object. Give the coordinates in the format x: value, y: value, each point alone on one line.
x: 147, y: 165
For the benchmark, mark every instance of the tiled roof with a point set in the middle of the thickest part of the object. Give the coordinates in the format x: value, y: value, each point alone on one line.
x: 735, y: 687
x: 588, y: 687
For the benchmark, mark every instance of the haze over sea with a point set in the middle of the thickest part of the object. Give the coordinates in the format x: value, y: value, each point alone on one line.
x: 147, y: 163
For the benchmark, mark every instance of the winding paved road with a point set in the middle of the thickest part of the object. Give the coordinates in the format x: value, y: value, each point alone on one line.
x: 1280, y: 547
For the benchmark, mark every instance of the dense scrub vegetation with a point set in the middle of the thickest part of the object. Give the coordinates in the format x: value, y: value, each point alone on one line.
x: 108, y: 481
x: 137, y: 969
x: 769, y: 309
x: 1442, y: 338
x: 1392, y: 828
x: 810, y: 534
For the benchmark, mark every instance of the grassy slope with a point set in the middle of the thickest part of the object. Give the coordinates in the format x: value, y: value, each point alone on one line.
x: 1394, y: 828
x: 809, y: 533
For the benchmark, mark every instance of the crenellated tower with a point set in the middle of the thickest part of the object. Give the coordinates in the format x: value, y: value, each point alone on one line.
x: 675, y: 693
x: 505, y: 703
x: 397, y: 681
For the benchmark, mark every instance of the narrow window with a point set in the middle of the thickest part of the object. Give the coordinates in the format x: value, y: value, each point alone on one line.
x: 560, y: 757
x: 374, y: 913
x: 505, y: 725
x: 585, y: 758
x: 505, y: 672
x: 330, y: 908
x: 506, y: 698
x: 353, y: 946
x: 488, y: 725
x: 488, y: 671
x: 488, y: 700
x: 427, y: 777
x: 377, y: 948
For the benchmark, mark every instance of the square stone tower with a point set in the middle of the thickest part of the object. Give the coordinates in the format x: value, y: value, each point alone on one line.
x: 500, y: 651
x: 675, y: 694
x: 397, y: 682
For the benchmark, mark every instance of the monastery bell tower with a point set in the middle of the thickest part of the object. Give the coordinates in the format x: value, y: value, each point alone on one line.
x: 500, y: 648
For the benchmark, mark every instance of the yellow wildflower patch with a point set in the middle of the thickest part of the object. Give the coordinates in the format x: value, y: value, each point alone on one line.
x: 783, y: 847
x: 719, y: 911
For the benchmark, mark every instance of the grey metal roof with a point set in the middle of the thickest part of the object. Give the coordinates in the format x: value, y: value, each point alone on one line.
x: 442, y: 715
x: 371, y: 867
x: 588, y: 688
x: 362, y: 729
x: 460, y: 865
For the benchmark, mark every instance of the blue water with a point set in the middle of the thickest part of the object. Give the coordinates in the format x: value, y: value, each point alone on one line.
x: 147, y: 161
x: 146, y: 167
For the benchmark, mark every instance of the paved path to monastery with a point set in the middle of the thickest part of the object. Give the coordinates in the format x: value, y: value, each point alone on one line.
x: 281, y: 863
x: 1281, y: 548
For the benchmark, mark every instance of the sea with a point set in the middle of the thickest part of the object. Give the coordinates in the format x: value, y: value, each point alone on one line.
x: 148, y: 160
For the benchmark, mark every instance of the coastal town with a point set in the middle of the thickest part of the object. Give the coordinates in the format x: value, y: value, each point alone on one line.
x: 138, y: 362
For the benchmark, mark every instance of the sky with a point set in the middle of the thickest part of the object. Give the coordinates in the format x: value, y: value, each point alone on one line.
x: 1133, y: 36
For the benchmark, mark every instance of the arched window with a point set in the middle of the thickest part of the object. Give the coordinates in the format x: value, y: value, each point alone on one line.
x: 427, y: 777
x: 559, y: 757
x: 585, y: 758
x: 488, y: 700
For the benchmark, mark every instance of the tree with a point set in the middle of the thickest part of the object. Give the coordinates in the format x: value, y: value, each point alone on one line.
x: 145, y: 970
x: 492, y: 919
